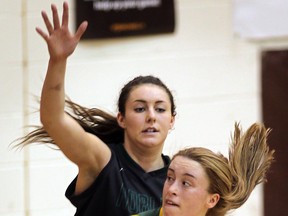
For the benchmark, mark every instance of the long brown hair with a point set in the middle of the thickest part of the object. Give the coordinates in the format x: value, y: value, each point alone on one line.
x: 96, y: 121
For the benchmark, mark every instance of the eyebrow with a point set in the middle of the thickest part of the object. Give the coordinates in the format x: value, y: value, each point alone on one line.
x: 185, y: 174
x: 144, y: 101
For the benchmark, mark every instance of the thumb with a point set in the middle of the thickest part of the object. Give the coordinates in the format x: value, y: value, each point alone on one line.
x: 81, y: 29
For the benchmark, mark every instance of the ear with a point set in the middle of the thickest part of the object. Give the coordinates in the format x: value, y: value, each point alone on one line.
x: 172, y: 122
x: 212, y: 200
x: 121, y: 120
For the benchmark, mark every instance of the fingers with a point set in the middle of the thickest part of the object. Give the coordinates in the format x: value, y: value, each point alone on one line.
x: 56, y: 23
x: 47, y: 22
x: 81, y: 29
x: 43, y: 34
x: 55, y: 17
x: 65, y: 16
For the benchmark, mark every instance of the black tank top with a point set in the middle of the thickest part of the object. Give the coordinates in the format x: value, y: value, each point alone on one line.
x: 122, y: 188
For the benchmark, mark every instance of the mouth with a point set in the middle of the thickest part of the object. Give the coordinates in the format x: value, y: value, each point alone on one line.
x: 171, y: 203
x: 150, y: 130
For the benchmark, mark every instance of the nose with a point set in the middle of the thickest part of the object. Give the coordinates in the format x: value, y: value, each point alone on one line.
x: 173, y: 188
x: 151, y: 116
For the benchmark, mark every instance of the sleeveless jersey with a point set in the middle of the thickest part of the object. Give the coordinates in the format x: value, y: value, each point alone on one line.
x: 122, y: 188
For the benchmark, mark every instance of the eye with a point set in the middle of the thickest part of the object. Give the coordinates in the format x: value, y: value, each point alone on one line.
x: 186, y: 184
x: 139, y: 109
x: 160, y: 110
x: 169, y: 179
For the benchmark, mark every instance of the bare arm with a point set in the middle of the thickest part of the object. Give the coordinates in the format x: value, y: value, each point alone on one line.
x: 84, y: 149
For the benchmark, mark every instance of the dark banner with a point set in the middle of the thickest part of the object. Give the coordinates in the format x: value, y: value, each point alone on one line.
x: 118, y: 18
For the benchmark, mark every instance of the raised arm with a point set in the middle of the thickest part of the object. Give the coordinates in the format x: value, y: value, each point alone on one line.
x: 84, y: 149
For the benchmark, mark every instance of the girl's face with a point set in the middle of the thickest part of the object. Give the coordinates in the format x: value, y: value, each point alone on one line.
x: 148, y: 117
x: 185, y: 189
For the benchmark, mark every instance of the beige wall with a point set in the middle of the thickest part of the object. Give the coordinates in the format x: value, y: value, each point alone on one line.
x: 213, y: 74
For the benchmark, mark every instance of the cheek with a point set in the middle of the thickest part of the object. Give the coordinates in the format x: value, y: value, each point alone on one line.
x: 134, y: 120
x: 171, y: 120
x: 165, y: 121
x: 198, y: 198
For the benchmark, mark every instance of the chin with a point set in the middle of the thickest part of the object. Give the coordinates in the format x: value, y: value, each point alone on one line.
x: 151, y: 143
x: 171, y: 211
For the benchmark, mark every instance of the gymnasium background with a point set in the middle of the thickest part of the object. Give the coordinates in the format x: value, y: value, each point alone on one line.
x: 215, y: 75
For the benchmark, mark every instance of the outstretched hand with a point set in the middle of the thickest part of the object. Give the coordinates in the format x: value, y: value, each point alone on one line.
x: 60, y: 41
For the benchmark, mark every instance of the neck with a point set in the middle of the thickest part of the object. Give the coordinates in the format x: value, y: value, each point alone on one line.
x: 148, y: 159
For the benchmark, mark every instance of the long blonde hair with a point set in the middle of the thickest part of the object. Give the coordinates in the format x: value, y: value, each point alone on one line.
x: 235, y: 177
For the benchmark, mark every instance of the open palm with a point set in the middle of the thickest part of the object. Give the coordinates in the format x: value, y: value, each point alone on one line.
x: 60, y: 41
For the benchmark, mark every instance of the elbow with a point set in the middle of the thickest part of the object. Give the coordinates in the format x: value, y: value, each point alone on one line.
x: 44, y: 120
x: 51, y: 120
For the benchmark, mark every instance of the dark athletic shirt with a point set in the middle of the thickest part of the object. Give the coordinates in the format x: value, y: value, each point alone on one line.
x: 122, y: 188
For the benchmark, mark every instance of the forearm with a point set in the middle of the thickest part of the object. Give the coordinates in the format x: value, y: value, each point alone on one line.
x: 61, y: 44
x: 53, y: 92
